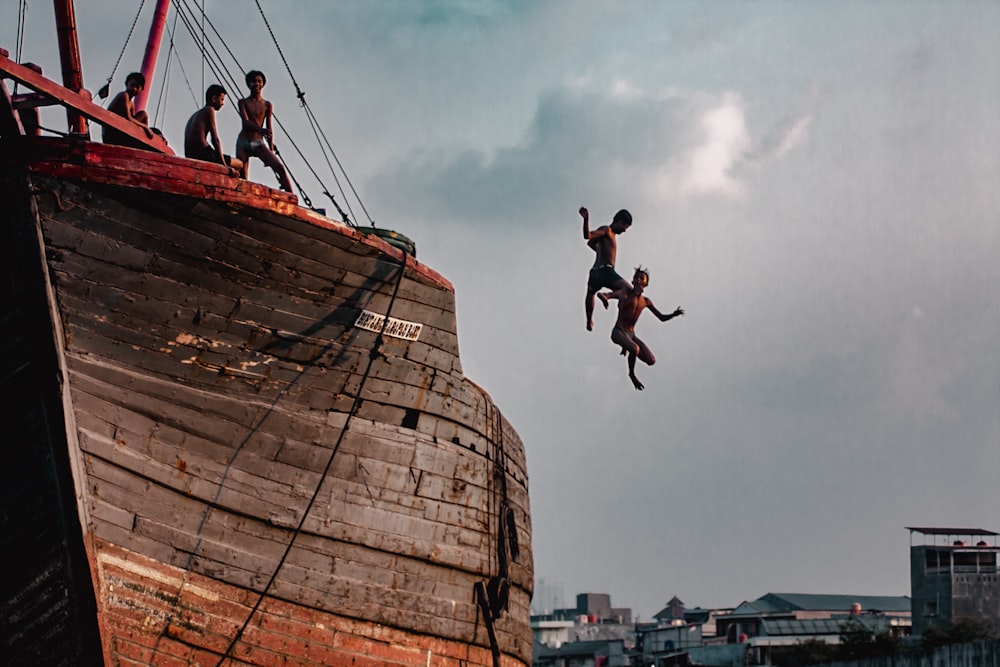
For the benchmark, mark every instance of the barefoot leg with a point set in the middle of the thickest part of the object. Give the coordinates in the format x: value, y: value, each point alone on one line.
x: 631, y: 373
x: 588, y: 307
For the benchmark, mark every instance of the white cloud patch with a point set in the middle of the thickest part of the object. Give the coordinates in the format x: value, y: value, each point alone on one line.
x: 794, y: 137
x: 725, y: 143
x: 624, y: 90
x: 613, y: 142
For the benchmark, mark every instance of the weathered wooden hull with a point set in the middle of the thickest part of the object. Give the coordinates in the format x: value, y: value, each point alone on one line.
x: 213, y: 463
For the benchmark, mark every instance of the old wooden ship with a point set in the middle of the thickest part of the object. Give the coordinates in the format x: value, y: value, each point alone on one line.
x: 235, y: 432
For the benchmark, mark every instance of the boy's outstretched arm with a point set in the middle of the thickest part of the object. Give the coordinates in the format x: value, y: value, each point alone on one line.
x: 663, y: 318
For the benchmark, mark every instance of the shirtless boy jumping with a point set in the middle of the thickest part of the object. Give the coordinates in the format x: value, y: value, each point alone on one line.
x: 256, y: 138
x: 631, y: 303
x: 604, y: 241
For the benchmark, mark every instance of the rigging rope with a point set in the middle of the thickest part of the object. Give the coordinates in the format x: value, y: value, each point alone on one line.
x: 298, y: 91
x: 171, y: 56
x: 22, y: 21
x: 215, y: 61
x: 309, y: 166
x: 373, y: 354
x: 317, y: 131
x: 180, y: 63
x: 254, y: 429
x: 216, y: 64
x: 492, y: 595
x: 106, y: 88
x: 22, y: 11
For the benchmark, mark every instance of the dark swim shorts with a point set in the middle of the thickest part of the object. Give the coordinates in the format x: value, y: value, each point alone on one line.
x: 603, y: 276
x: 206, y: 154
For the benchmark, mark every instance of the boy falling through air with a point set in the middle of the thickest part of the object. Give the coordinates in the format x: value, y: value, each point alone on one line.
x: 256, y: 113
x: 604, y: 242
x: 631, y: 303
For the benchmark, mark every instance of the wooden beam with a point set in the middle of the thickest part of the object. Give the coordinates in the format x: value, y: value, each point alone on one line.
x: 10, y: 121
x: 31, y: 100
x: 80, y: 102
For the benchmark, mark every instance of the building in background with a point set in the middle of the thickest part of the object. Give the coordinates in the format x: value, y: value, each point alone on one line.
x: 953, y: 573
x: 547, y: 598
x: 953, y: 576
x: 749, y: 618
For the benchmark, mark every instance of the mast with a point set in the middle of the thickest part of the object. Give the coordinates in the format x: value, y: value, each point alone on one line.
x: 152, y: 49
x: 69, y: 57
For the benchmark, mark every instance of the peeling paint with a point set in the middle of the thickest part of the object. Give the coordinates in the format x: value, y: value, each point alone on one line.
x: 155, y: 575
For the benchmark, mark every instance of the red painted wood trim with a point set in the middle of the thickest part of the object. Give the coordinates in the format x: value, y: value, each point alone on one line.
x: 129, y: 167
x: 10, y: 121
x: 80, y: 102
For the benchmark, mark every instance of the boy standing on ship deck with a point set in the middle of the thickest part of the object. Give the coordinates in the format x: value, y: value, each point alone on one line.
x: 604, y: 241
x: 631, y: 303
x: 201, y: 124
x: 256, y: 114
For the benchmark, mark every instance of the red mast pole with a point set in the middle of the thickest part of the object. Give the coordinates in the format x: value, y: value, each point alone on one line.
x: 69, y: 57
x: 152, y: 49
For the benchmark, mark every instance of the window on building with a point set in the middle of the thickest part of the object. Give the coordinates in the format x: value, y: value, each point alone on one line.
x: 936, y: 560
x: 966, y: 561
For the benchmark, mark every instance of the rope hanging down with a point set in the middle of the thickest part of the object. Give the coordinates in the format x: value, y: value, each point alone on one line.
x: 216, y: 63
x: 106, y: 88
x: 373, y: 354
x: 324, y: 143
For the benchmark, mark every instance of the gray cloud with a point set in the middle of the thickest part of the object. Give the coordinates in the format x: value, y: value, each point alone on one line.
x: 836, y: 376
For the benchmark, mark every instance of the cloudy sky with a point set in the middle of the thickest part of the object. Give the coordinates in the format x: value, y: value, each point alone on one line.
x: 815, y: 183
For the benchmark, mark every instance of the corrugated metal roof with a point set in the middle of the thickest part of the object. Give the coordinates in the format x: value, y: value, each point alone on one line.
x: 789, y: 627
x: 813, y: 602
x: 576, y: 649
x: 778, y: 627
x: 952, y: 531
x: 787, y: 603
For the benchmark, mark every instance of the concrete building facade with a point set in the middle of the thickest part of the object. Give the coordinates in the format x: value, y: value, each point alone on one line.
x: 953, y: 576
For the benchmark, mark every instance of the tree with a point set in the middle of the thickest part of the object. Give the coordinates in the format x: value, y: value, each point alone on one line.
x: 808, y: 652
x: 961, y: 631
x: 857, y: 640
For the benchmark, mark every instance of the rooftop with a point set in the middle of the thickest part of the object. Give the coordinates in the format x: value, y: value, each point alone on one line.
x: 790, y: 602
x: 953, y: 532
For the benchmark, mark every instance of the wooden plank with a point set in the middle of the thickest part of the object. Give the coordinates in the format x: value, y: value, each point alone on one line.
x: 151, y: 337
x: 383, y: 476
x: 360, y: 524
x: 165, y: 288
x: 266, y: 204
x: 10, y: 119
x: 79, y: 102
x: 253, y: 272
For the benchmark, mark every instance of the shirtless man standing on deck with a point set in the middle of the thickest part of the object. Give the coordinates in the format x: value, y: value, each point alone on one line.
x: 256, y: 138
x: 604, y: 241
